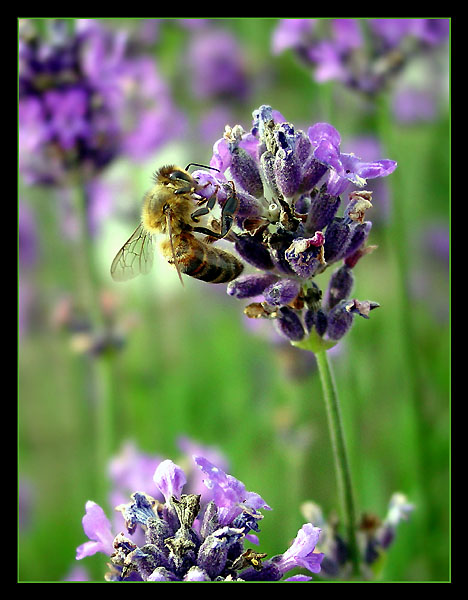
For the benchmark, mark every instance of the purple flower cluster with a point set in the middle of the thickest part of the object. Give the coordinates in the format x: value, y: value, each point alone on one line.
x: 363, y: 54
x: 216, y: 65
x: 84, y: 99
x: 186, y: 539
x: 288, y: 183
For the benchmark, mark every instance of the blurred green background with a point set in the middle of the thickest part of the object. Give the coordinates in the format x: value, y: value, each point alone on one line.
x: 190, y: 364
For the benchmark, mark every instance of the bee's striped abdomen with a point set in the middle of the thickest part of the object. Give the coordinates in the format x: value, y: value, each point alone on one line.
x: 205, y: 262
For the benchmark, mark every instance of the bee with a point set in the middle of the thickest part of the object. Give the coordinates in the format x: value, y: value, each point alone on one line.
x: 171, y: 208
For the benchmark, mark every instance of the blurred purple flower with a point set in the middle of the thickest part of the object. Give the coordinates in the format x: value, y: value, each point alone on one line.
x: 335, y: 48
x: 184, y: 542
x: 26, y: 497
x: 412, y: 105
x: 77, y: 573
x: 217, y: 65
x: 28, y: 249
x: 27, y: 237
x: 393, y: 31
x: 292, y: 33
x: 85, y: 99
x: 374, y: 538
x: 430, y: 280
x: 131, y: 470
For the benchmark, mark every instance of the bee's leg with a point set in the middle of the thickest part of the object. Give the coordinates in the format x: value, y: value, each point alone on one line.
x: 210, y: 202
x: 188, y: 189
x: 227, y: 216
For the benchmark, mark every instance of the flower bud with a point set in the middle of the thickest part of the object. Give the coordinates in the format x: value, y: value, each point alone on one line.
x: 289, y: 324
x: 336, y: 239
x: 323, y: 208
x: 358, y: 235
x: 248, y: 206
x: 287, y: 174
x: 340, y: 320
x: 321, y: 322
x: 252, y: 250
x: 312, y: 172
x: 339, y: 287
x: 247, y: 286
x: 282, y: 292
x: 268, y: 572
x: 267, y: 161
x: 245, y: 172
x: 213, y: 552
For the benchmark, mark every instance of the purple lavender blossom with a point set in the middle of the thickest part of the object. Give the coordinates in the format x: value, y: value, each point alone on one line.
x: 131, y: 469
x: 183, y: 542
x: 336, y: 48
x: 412, y: 105
x: 289, y: 183
x: 98, y: 529
x: 216, y: 65
x: 84, y: 99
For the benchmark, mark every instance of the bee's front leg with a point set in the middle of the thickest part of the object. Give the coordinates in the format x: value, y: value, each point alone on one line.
x: 227, y: 215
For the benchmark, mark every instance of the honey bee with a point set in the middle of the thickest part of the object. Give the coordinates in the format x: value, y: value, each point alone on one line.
x: 170, y: 208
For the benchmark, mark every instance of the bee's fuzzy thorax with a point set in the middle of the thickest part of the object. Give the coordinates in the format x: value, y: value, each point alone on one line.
x: 162, y: 174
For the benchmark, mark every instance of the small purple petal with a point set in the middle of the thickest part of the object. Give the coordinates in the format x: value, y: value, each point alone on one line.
x: 170, y: 479
x: 301, y: 552
x: 221, y: 158
x: 298, y: 578
x: 324, y: 132
x: 98, y: 529
x: 229, y: 494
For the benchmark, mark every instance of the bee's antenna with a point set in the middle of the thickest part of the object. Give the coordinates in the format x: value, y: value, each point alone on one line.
x: 203, y: 166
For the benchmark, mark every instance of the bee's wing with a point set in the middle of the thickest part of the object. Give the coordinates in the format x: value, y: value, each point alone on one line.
x: 136, y: 256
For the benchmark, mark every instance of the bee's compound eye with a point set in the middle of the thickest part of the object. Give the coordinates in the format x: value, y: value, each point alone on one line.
x: 180, y: 175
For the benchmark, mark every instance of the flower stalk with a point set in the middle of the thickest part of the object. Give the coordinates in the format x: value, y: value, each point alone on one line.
x: 340, y: 456
x: 100, y: 364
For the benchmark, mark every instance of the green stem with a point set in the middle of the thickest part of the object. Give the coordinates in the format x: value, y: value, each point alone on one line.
x: 342, y: 468
x: 101, y: 365
x: 398, y: 243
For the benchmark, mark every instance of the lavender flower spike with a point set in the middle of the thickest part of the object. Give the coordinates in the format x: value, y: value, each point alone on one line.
x: 288, y: 226
x: 188, y: 538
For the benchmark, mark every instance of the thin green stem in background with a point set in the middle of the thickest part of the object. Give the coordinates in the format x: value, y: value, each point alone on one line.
x: 342, y: 467
x: 100, y: 365
x: 399, y: 243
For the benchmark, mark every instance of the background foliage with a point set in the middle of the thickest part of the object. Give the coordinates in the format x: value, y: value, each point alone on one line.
x: 191, y: 365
